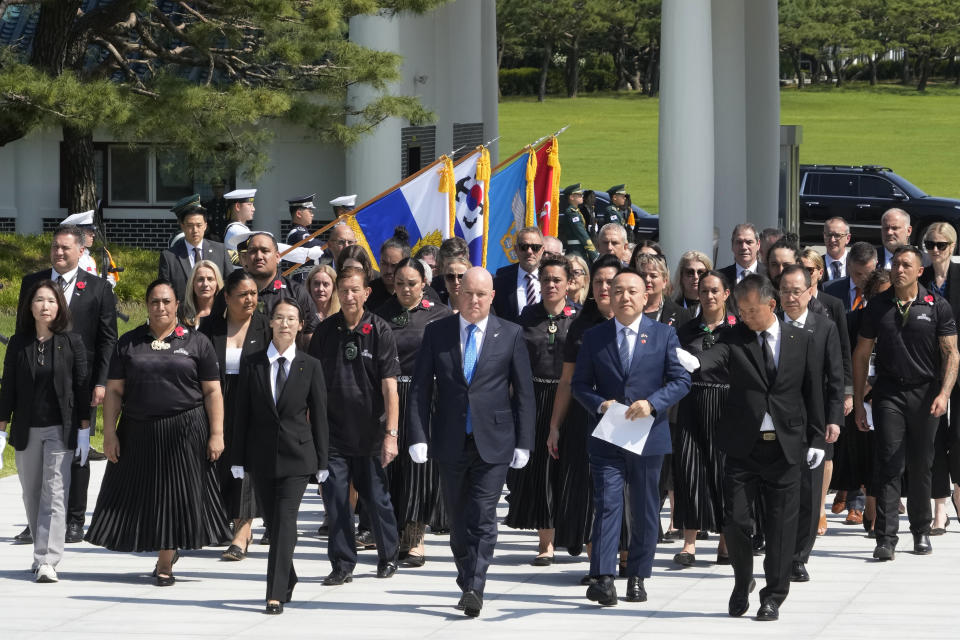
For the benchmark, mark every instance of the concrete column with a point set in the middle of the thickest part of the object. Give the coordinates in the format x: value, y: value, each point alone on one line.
x: 488, y: 71
x: 762, y: 111
x: 373, y: 163
x: 28, y: 163
x: 686, y: 128
x: 729, y: 95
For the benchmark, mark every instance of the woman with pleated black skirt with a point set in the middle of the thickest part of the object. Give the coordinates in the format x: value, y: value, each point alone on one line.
x: 414, y: 488
x: 160, y: 491
x: 697, y: 462
x: 533, y: 489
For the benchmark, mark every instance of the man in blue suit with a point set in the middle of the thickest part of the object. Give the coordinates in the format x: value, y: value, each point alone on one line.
x: 481, y: 423
x: 632, y: 360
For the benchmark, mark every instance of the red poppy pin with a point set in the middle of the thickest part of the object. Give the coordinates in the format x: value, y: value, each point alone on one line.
x: 81, y: 285
x: 568, y: 311
x: 366, y: 329
x: 179, y: 331
x: 426, y: 304
x: 277, y: 285
x: 928, y: 299
x: 731, y: 320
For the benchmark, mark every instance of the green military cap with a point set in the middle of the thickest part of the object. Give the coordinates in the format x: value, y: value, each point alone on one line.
x: 190, y: 204
x: 572, y: 189
x: 620, y: 188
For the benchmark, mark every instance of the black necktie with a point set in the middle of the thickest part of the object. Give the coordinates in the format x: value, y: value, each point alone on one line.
x: 196, y: 256
x: 281, y: 376
x: 836, y: 269
x: 769, y: 364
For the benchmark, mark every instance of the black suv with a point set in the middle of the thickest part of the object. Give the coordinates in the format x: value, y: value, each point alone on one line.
x: 860, y: 195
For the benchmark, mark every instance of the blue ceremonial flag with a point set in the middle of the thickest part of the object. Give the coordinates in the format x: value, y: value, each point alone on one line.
x: 508, y: 190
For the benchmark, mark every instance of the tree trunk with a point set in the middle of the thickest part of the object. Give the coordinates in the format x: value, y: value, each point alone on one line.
x: 873, y: 70
x: 544, y: 70
x: 573, y: 67
x: 653, y: 71
x: 923, y: 66
x: 797, y: 69
x: 79, y: 178
x: 906, y: 75
x: 814, y: 70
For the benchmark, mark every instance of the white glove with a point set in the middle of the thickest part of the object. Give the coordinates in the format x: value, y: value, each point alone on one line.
x: 520, y: 458
x: 689, y: 361
x: 83, y: 445
x: 3, y: 444
x: 315, y: 253
x: 418, y: 452
x: 322, y: 475
x: 237, y: 471
x: 815, y: 457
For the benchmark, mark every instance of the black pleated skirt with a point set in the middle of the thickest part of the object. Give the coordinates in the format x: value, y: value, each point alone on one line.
x: 163, y: 492
x: 573, y: 499
x: 238, y: 496
x: 414, y: 488
x: 532, y: 489
x: 852, y: 458
x: 697, y: 462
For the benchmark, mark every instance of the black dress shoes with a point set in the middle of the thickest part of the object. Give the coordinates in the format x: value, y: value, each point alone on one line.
x: 74, y: 532
x: 337, y: 577
x: 603, y: 591
x: 165, y: 580
x: 265, y: 539
x: 768, y: 612
x: 24, y: 537
x: 95, y: 456
x: 921, y: 544
x: 386, y: 569
x: 588, y: 580
x: 684, y: 559
x: 274, y: 608
x: 635, y: 590
x: 759, y: 544
x: 414, y: 560
x: 740, y: 600
x: 799, y: 573
x: 472, y: 603
x: 542, y: 561
x: 366, y: 540
x: 884, y: 552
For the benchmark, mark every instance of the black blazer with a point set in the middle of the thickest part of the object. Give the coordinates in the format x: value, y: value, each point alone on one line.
x: 500, y: 395
x: 827, y: 364
x: 93, y: 310
x: 953, y: 285
x: 257, y: 338
x: 505, y: 300
x: 673, y: 315
x: 792, y: 400
x: 175, y: 263
x: 288, y: 438
x: 730, y: 272
x: 834, y: 309
x: 69, y: 382
x: 840, y: 289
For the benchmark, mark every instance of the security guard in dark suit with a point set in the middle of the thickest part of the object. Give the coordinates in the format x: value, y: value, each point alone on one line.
x: 571, y: 229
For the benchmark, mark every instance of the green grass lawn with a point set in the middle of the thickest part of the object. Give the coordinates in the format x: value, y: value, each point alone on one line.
x: 613, y: 137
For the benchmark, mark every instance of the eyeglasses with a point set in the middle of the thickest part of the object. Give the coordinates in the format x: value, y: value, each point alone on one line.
x: 810, y: 270
x: 344, y: 243
x: 834, y: 236
x: 578, y: 272
x: 792, y: 293
x: 689, y: 273
x: 930, y: 245
x: 451, y: 277
x: 523, y: 246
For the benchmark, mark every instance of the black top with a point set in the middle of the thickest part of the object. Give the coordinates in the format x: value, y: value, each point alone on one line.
x: 693, y: 337
x: 588, y: 318
x: 378, y: 295
x: 670, y: 314
x: 354, y: 365
x: 281, y: 287
x: 44, y: 395
x: 546, y: 348
x: 162, y: 383
x: 907, y: 354
x: 407, y: 326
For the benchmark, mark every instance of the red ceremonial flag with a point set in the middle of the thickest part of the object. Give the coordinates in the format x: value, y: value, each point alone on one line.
x: 546, y: 192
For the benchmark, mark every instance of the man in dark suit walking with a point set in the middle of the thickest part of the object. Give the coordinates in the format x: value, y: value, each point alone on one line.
x: 772, y: 423
x: 836, y: 237
x: 745, y: 244
x: 177, y: 262
x: 518, y: 285
x: 861, y: 262
x: 631, y: 360
x: 93, y: 309
x: 481, y: 423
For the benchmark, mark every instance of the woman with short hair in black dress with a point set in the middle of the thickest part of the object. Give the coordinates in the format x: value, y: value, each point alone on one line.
x: 533, y: 489
x: 240, y: 331
x: 697, y: 462
x: 414, y: 488
x: 160, y: 491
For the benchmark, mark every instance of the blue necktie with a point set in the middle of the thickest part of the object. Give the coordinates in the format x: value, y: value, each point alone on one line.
x: 469, y: 364
x: 624, y: 350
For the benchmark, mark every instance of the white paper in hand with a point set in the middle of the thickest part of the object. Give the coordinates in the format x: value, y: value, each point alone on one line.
x: 869, y: 411
x: 617, y: 429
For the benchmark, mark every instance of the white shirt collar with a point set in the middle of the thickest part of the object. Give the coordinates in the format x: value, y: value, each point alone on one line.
x: 273, y: 354
x: 802, y: 319
x: 69, y: 276
x: 197, y: 246
x: 633, y: 326
x: 481, y: 324
x: 752, y: 268
x: 773, y: 329
x: 841, y: 259
x: 522, y: 276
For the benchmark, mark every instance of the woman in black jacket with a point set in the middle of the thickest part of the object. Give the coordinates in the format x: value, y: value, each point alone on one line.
x: 45, y: 389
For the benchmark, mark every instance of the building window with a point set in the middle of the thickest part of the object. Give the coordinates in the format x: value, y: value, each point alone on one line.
x: 147, y: 175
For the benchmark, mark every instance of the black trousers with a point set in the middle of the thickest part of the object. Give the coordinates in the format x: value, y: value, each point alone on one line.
x: 279, y: 499
x: 766, y: 474
x: 808, y: 512
x: 905, y: 434
x: 77, y: 500
x: 370, y: 481
x: 946, y: 451
x: 472, y: 488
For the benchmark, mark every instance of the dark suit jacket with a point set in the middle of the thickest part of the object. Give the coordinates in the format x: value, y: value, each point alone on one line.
x: 828, y: 272
x: 953, y: 285
x: 840, y: 289
x: 175, y: 263
x: 792, y: 400
x: 505, y: 300
x: 673, y: 314
x: 827, y: 364
x: 655, y: 375
x: 287, y: 438
x: 257, y: 338
x: 93, y: 309
x: 730, y: 272
x: 69, y: 382
x: 834, y: 309
x: 500, y: 395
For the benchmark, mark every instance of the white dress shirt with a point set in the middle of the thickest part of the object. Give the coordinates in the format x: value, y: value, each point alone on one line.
x: 887, y: 259
x: 842, y: 262
x: 71, y: 278
x: 773, y: 339
x: 522, y: 287
x: 478, y: 334
x: 273, y: 355
x: 800, y: 322
x: 752, y: 269
x: 633, y: 330
x: 191, y: 253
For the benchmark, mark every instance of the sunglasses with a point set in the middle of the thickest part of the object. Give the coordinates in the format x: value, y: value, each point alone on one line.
x: 450, y: 277
x: 689, y: 273
x: 523, y: 246
x: 930, y: 245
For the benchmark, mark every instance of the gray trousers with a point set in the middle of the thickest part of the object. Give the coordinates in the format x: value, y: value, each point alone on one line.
x: 44, y: 470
